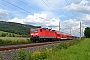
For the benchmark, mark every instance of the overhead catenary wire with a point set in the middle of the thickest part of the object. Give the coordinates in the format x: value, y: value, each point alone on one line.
x: 50, y: 7
x: 33, y: 9
x: 67, y: 2
x: 74, y: 16
x: 17, y: 6
x: 23, y: 9
x: 27, y: 5
x: 9, y: 13
x: 70, y: 8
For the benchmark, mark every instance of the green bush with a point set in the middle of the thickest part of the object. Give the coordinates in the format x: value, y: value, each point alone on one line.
x: 1, y: 41
x: 62, y: 45
x: 8, y: 42
x: 28, y: 39
x: 28, y: 56
x: 21, y: 55
x: 0, y: 59
x: 44, y: 54
x: 54, y: 48
x: 41, y: 55
x: 72, y: 42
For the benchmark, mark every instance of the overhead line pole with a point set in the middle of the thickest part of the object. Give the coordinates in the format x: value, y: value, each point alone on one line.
x: 59, y: 26
x: 80, y: 30
x: 70, y: 31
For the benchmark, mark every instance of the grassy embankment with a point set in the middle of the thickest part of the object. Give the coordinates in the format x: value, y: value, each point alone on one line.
x: 79, y: 51
x: 72, y: 50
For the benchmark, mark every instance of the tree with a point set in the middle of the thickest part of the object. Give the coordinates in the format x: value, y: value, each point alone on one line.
x: 87, y: 32
x: 3, y: 34
x: 9, y: 35
x: 13, y: 35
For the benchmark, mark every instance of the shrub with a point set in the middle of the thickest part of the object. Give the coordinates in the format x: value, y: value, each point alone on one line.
x: 0, y: 59
x: 72, y: 42
x: 8, y: 41
x: 21, y: 55
x: 54, y: 48
x: 41, y: 55
x: 28, y: 56
x: 1, y: 41
x: 36, y: 55
x: 62, y: 45
x: 28, y: 40
x: 45, y: 53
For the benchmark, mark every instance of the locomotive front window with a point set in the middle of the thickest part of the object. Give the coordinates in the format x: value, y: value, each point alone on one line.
x: 34, y: 30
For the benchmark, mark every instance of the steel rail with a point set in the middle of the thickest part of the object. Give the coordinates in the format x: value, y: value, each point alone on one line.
x: 11, y: 47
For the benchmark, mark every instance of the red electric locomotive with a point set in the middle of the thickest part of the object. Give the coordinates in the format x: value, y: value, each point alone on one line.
x: 44, y: 34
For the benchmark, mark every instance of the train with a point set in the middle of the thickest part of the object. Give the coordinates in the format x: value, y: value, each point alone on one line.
x: 44, y: 35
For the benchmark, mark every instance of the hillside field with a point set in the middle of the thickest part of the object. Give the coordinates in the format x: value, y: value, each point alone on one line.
x: 15, y: 28
x: 8, y: 34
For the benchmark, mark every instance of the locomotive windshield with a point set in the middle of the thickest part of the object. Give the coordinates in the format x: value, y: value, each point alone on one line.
x: 34, y: 30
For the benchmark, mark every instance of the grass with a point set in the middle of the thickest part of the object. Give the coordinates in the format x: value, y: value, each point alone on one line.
x: 80, y: 51
x: 14, y: 40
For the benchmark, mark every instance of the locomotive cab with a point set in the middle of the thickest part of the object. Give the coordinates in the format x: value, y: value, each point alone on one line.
x: 34, y: 34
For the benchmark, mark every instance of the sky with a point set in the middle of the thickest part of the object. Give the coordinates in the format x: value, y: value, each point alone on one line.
x: 48, y: 13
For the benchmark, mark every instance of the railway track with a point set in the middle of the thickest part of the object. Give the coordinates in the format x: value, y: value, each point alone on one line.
x: 11, y: 47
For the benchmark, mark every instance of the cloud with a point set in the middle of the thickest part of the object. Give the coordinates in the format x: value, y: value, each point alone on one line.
x: 72, y: 25
x: 86, y: 20
x: 76, y: 1
x: 37, y: 20
x: 82, y: 7
x: 3, y: 14
x: 17, y: 20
